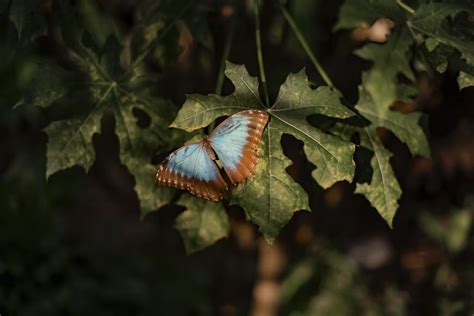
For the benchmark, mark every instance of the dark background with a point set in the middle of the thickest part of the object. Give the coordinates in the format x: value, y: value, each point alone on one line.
x: 74, y: 244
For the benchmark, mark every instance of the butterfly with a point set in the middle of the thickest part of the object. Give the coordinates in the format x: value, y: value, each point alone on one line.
x: 234, y: 142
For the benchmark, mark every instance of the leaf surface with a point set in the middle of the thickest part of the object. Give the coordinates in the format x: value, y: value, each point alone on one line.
x: 202, y: 223
x: 405, y: 126
x: 430, y: 20
x: 389, y: 60
x: 70, y: 138
x: 272, y: 196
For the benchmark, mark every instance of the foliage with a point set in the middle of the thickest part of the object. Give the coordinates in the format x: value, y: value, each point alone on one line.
x: 96, y: 93
x: 265, y: 198
x: 385, y: 82
x: 202, y: 224
x: 329, y: 283
x: 102, y: 72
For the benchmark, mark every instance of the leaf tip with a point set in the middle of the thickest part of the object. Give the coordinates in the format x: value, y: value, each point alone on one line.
x: 390, y: 223
x: 269, y: 239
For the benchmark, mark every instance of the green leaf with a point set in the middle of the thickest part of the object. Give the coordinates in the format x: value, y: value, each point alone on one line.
x: 199, y: 111
x: 452, y: 231
x: 405, y: 126
x: 300, y: 274
x: 438, y: 58
x: 354, y: 13
x: 439, y: 24
x: 17, y: 15
x: 389, y: 60
x: 158, y: 24
x: 331, y: 155
x: 49, y: 84
x: 98, y: 24
x: 271, y: 197
x: 202, y: 223
x: 138, y: 144
x: 430, y: 20
x: 465, y: 80
x: 383, y: 191
x: 70, y: 141
x: 431, y: 44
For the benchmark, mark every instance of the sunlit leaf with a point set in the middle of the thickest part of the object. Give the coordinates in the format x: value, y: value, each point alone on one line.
x: 465, y: 80
x: 272, y: 196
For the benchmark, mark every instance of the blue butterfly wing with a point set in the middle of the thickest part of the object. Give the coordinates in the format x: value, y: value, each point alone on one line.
x: 191, y: 168
x: 236, y: 142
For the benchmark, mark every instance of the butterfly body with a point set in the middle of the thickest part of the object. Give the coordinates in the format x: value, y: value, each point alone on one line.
x: 235, y: 143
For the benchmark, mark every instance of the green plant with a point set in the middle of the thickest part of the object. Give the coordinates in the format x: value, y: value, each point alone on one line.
x: 98, y: 68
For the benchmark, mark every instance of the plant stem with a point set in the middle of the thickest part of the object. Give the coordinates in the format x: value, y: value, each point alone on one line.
x: 405, y: 7
x: 305, y: 45
x: 225, y: 56
x: 258, y: 41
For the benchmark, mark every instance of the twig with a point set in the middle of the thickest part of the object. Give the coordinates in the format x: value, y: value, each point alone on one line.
x: 258, y: 41
x: 406, y: 7
x: 305, y: 45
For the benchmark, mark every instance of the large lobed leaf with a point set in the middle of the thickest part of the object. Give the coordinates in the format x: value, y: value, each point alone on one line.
x: 70, y: 140
x: 331, y: 155
x: 383, y: 189
x: 272, y: 196
x: 102, y: 77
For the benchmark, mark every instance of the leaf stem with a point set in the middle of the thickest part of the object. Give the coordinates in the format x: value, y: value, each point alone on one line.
x: 305, y: 46
x: 258, y: 40
x: 225, y: 56
x: 406, y: 7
